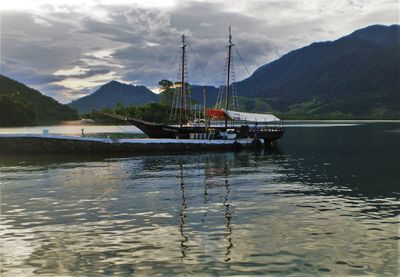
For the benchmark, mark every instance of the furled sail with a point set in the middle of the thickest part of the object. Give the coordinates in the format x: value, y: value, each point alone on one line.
x: 251, y: 117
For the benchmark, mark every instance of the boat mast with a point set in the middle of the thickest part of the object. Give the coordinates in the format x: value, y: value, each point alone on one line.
x: 230, y: 44
x: 181, y: 95
x: 205, y: 108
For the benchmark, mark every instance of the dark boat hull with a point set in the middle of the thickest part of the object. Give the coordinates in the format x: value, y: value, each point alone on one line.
x: 154, y: 130
x: 269, y: 134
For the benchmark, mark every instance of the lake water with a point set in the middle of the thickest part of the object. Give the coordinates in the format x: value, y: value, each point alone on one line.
x: 325, y: 203
x: 72, y: 128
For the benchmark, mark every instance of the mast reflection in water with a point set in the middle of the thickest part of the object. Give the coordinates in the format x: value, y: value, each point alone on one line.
x: 211, y: 171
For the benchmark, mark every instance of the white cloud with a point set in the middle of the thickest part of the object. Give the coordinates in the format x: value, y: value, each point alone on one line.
x: 41, y: 21
x: 72, y: 71
x: 206, y: 24
x: 76, y: 83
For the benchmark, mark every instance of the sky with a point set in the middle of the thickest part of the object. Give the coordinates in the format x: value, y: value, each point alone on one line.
x: 67, y: 49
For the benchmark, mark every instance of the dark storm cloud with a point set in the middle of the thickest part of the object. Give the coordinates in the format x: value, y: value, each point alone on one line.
x: 68, y: 50
x: 38, y: 47
x: 26, y: 75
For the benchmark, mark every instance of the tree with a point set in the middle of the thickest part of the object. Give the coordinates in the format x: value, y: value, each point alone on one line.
x: 15, y: 113
x: 170, y: 90
x: 165, y: 85
x: 167, y: 92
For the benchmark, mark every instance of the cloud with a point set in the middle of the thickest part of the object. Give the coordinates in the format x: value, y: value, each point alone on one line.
x: 78, y: 72
x: 66, y: 48
x: 41, y: 21
x: 206, y: 24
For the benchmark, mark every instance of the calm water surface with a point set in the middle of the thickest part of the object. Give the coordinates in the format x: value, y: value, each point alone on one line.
x: 325, y: 203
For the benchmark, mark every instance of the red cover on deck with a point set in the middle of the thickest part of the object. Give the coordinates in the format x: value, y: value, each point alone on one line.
x: 215, y: 113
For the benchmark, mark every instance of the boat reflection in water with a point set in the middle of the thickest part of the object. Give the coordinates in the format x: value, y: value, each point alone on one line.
x: 215, y: 178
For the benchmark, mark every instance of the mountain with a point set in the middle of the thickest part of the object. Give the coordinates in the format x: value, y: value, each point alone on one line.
x: 108, y: 95
x: 245, y: 103
x: 211, y: 94
x: 21, y: 105
x: 356, y: 75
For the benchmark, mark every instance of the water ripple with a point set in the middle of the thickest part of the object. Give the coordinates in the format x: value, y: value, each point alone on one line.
x: 218, y: 213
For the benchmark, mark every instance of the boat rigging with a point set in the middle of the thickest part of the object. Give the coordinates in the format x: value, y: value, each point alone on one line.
x: 266, y: 127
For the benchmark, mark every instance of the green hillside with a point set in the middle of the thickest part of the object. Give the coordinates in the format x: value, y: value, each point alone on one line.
x: 355, y: 76
x: 21, y: 105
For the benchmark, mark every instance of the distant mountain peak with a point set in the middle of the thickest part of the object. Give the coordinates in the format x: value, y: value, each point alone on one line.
x: 114, y: 83
x: 113, y: 92
x: 382, y: 35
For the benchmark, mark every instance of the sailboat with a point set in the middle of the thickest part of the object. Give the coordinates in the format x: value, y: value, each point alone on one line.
x: 266, y: 127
